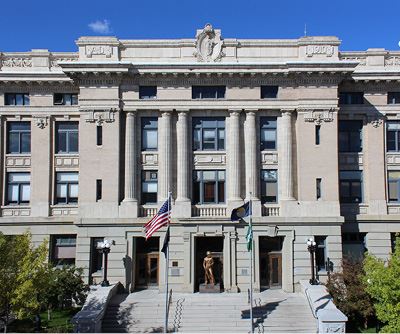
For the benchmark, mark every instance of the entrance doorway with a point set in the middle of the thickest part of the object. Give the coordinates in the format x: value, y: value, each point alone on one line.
x: 215, y: 246
x: 147, y: 262
x: 270, y: 252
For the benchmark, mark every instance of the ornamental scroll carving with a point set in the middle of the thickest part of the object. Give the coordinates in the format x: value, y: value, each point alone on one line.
x: 318, y: 116
x: 99, y: 50
x: 209, y: 45
x: 100, y: 116
x: 41, y: 121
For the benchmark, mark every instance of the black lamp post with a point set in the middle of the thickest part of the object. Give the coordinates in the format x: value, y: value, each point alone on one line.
x: 311, y: 246
x: 104, y: 247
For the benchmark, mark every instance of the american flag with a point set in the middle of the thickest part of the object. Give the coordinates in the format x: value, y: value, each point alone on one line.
x: 159, y: 220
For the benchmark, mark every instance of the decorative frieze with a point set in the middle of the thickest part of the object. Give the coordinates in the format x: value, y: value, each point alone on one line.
x: 17, y: 62
x: 149, y: 159
x: 209, y: 158
x: 268, y: 158
x: 327, y: 50
x: 63, y: 211
x: 18, y: 161
x: 66, y: 161
x: 318, y: 116
x: 99, y: 50
x: 100, y: 116
x: 15, y: 212
x: 393, y: 158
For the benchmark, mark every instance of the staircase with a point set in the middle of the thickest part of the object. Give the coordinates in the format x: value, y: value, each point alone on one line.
x: 273, y: 311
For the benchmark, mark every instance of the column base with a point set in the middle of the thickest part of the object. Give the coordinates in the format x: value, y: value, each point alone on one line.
x: 182, y: 209
x: 128, y: 209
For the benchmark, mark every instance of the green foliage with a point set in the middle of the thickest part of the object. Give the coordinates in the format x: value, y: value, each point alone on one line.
x: 349, y: 294
x: 382, y: 282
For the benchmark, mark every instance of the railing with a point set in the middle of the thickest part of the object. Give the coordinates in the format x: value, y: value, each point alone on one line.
x: 148, y: 211
x: 271, y: 210
x: 208, y: 211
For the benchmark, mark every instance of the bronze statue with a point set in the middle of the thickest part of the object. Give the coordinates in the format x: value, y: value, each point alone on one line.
x: 208, y: 264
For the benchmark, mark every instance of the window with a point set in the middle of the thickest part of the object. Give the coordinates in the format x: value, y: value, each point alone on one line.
x: 65, y: 99
x: 19, y: 188
x: 269, y: 92
x: 318, y: 188
x: 350, y: 186
x: 350, y: 136
x: 393, y: 237
x: 99, y: 190
x: 67, y: 137
x: 393, y: 98
x: 96, y: 256
x: 320, y: 253
x: 351, y: 98
x: 208, y: 133
x: 67, y: 187
x: 268, y: 133
x: 354, y: 245
x: 393, y: 136
x: 63, y: 250
x: 16, y: 99
x: 19, y: 137
x: 147, y: 92
x: 149, y: 133
x: 209, y: 187
x: 99, y: 135
x: 269, y: 186
x: 208, y: 92
x: 149, y: 186
x: 317, y: 134
x: 393, y: 186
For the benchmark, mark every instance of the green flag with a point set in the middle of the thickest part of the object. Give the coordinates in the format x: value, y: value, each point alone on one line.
x: 249, y: 237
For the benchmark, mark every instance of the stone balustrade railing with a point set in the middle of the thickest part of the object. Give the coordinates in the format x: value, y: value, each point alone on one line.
x: 377, y: 57
x: 208, y: 211
x: 271, y: 210
x: 148, y: 210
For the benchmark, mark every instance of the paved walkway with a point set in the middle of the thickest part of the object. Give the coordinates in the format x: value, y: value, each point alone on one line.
x: 273, y: 311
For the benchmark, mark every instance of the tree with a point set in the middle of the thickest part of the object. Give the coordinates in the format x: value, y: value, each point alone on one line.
x: 349, y: 293
x: 382, y: 280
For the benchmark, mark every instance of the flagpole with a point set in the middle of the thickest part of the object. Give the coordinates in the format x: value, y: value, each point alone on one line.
x: 251, y: 266
x: 166, y: 268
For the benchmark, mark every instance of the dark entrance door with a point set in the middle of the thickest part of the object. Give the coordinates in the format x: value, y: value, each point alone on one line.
x: 215, y: 246
x: 270, y: 253
x: 147, y: 263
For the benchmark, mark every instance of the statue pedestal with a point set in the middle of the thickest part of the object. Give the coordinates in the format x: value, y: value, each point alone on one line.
x: 209, y: 288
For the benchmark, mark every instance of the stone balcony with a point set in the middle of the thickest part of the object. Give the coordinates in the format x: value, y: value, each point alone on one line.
x: 271, y: 210
x: 205, y: 210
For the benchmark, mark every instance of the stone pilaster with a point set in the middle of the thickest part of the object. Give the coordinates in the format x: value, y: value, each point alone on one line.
x: 182, y: 206
x: 251, y: 162
x: 285, y: 157
x: 164, y: 155
x: 129, y: 206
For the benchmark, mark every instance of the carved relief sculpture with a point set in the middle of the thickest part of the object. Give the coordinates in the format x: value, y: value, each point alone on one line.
x: 209, y: 45
x: 208, y: 264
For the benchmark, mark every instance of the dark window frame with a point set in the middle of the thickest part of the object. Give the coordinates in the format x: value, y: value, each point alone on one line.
x: 318, y: 188
x: 269, y: 91
x: 200, y: 125
x: 200, y: 182
x: 152, y: 180
x: 148, y: 92
x: 317, y: 134
x: 99, y: 189
x: 68, y: 133
x: 65, y: 97
x: 265, y: 181
x: 68, y: 199
x: 57, y: 262
x: 348, y: 130
x: 216, y: 92
x: 96, y: 256
x: 393, y: 98
x: 99, y: 135
x: 321, y: 242
x: 347, y: 98
x: 148, y: 124
x: 20, y: 184
x: 397, y: 182
x: 352, y: 198
x: 14, y: 97
x: 392, y: 136
x: 268, y: 124
x: 20, y: 133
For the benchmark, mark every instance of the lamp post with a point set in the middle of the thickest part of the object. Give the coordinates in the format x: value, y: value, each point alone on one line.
x: 104, y: 247
x: 311, y: 246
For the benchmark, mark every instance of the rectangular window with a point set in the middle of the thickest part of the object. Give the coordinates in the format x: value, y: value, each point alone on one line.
x: 149, y: 186
x: 393, y: 237
x: 393, y: 186
x: 209, y: 187
x: 269, y: 92
x: 67, y: 137
x: 99, y: 135
x: 67, y: 187
x: 99, y: 190
x: 147, y: 92
x: 350, y: 136
x: 354, y: 245
x: 96, y: 256
x: 317, y: 134
x: 393, y: 98
x: 18, y: 188
x: 65, y: 99
x: 350, y: 186
x: 16, y: 99
x: 268, y: 133
x: 318, y: 188
x: 269, y: 186
x: 63, y: 250
x: 208, y: 133
x: 149, y: 133
x: 208, y: 92
x: 320, y: 253
x: 18, y: 137
x: 351, y: 98
x: 393, y: 136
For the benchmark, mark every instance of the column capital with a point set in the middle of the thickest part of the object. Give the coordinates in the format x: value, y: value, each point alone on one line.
x: 288, y: 111
x: 251, y: 112
x: 166, y: 111
x: 131, y: 113
x: 235, y: 112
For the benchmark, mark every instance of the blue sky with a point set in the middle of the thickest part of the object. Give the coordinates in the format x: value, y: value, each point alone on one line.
x: 55, y: 25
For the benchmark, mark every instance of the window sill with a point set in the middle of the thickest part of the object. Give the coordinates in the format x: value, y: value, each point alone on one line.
x: 16, y: 206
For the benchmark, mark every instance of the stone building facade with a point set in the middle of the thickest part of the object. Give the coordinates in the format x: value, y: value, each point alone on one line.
x: 92, y: 142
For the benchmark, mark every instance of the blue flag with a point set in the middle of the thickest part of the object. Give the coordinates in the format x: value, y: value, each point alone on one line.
x: 241, y: 212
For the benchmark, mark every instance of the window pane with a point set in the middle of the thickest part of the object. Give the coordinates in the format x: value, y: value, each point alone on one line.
x: 73, y: 190
x: 13, y: 142
x: 12, y: 195
x: 67, y: 177
x: 391, y: 141
x: 208, y: 139
x: 209, y: 175
x: 393, y: 191
x: 10, y: 99
x: 61, y: 191
x: 26, y: 99
x: 26, y: 142
x: 19, y: 99
x: 356, y: 191
x: 19, y: 177
x: 150, y: 139
x: 58, y: 98
x: 74, y: 99
x: 149, y: 187
x: 196, y: 139
x: 221, y: 139
x: 26, y: 192
x: 62, y: 142
x: 344, y: 189
x: 73, y: 142
x: 350, y: 175
x: 221, y: 191
x: 196, y: 192
x: 209, y: 192
x: 221, y: 175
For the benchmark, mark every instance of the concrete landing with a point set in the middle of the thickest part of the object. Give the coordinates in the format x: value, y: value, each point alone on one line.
x: 273, y: 311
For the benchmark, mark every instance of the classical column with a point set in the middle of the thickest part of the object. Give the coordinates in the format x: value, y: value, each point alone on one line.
x: 286, y: 164
x: 129, y: 206
x: 164, y: 156
x: 233, y: 157
x: 250, y: 143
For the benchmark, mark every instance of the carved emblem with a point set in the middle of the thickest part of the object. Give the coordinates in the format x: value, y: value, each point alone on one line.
x: 319, y: 116
x: 100, y: 116
x: 209, y: 45
x: 327, y: 50
x: 98, y: 50
x: 376, y: 122
x: 41, y: 121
